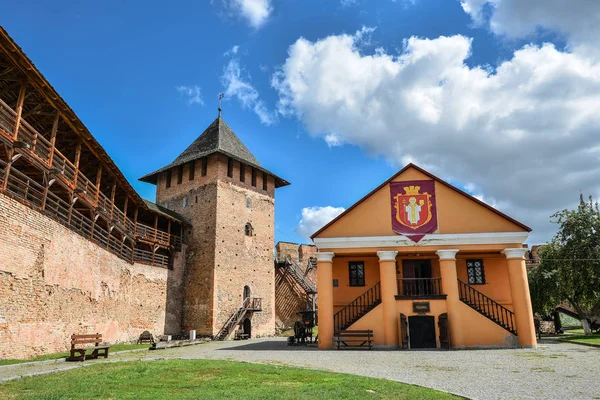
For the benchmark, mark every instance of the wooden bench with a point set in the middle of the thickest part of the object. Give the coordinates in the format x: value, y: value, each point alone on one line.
x: 354, y: 338
x: 80, y: 353
x: 240, y: 335
x: 146, y: 337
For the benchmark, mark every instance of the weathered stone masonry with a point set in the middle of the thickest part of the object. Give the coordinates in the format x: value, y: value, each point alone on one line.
x: 54, y: 282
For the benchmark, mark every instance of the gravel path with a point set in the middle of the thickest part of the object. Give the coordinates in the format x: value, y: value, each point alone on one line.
x: 553, y: 370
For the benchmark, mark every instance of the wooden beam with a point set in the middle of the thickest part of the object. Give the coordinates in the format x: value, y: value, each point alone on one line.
x: 155, y: 226
x: 53, y: 138
x: 47, y: 184
x: 93, y: 224
x: 98, y: 181
x: 135, y: 216
x: 77, y: 157
x: 125, y: 212
x: 7, y: 169
x: 73, y: 201
x: 112, y: 198
x: 19, y: 109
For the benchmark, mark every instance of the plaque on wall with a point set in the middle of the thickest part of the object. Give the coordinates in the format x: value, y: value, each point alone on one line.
x: 421, y: 307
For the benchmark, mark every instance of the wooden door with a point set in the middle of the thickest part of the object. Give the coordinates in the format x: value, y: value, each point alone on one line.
x: 444, y: 333
x: 403, y: 331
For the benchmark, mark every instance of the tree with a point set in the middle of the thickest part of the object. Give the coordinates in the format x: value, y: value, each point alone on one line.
x: 570, y: 264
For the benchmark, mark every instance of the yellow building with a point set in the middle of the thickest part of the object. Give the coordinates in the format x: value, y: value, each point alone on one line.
x: 423, y: 264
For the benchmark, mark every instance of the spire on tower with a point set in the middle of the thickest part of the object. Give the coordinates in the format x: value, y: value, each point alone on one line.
x: 220, y: 98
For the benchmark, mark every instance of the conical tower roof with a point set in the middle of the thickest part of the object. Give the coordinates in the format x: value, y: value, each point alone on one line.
x: 217, y: 138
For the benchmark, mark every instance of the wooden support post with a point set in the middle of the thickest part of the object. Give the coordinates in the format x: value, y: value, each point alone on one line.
x: 98, y: 181
x: 125, y: 212
x: 77, y: 157
x: 10, y: 153
x: 135, y: 216
x: 53, y: 139
x: 112, y: 198
x: 49, y: 183
x: 155, y: 226
x: 169, y: 231
x: 73, y: 201
x: 94, y: 218
x: 19, y: 109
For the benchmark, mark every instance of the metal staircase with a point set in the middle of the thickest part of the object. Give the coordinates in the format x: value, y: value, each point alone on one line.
x: 358, y: 308
x: 487, y: 307
x: 249, y: 305
x: 294, y: 270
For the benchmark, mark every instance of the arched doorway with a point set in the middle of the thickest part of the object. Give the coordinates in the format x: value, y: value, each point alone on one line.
x: 246, y: 292
x: 248, y: 327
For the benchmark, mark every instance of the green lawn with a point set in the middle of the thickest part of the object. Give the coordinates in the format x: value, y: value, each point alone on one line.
x: 206, y: 379
x: 54, y: 356
x: 585, y: 339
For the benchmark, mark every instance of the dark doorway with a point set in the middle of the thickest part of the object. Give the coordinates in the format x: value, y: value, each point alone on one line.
x: 422, y: 332
x: 248, y: 327
x: 246, y: 292
x: 416, y: 269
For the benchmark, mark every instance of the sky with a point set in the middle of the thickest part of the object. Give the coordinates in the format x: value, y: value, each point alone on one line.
x: 498, y: 97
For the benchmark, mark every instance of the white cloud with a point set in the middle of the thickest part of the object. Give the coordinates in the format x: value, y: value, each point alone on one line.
x: 237, y: 84
x: 193, y: 94
x: 314, y: 218
x: 256, y: 12
x: 577, y: 20
x: 232, y: 52
x: 523, y: 134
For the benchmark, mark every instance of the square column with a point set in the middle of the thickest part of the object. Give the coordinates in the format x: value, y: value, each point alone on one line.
x: 325, y: 299
x: 450, y: 289
x: 521, y: 300
x: 389, y: 290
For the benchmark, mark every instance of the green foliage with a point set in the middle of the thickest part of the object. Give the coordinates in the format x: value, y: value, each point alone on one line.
x: 570, y: 264
x: 207, y: 379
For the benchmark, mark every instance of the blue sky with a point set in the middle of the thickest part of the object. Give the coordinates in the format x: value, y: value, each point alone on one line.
x: 335, y: 96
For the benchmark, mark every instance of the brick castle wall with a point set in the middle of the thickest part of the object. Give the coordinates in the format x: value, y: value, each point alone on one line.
x: 54, y: 283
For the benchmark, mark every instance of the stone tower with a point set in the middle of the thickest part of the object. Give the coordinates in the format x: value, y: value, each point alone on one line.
x: 228, y: 199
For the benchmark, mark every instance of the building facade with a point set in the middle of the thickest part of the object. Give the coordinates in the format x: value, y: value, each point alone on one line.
x: 424, y: 265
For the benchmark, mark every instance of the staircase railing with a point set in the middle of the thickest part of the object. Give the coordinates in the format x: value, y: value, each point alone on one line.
x: 294, y: 269
x: 419, y: 287
x: 249, y: 304
x: 487, y: 307
x: 357, y: 308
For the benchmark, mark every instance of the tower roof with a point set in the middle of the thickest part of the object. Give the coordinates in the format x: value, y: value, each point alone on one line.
x: 217, y: 138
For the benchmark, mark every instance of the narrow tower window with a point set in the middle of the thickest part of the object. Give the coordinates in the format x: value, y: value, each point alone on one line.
x: 230, y: 168
x: 180, y: 174
x: 242, y: 173
x: 192, y: 169
x: 265, y: 181
x: 254, y: 177
x: 248, y: 230
x: 168, y: 185
x: 204, y: 166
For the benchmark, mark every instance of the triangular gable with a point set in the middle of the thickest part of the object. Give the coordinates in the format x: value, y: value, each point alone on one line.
x: 457, y: 211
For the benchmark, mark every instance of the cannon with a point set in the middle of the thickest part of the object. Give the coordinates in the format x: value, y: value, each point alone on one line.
x: 303, y: 329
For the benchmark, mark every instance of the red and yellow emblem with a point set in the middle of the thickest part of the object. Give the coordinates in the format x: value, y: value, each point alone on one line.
x: 413, y: 208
